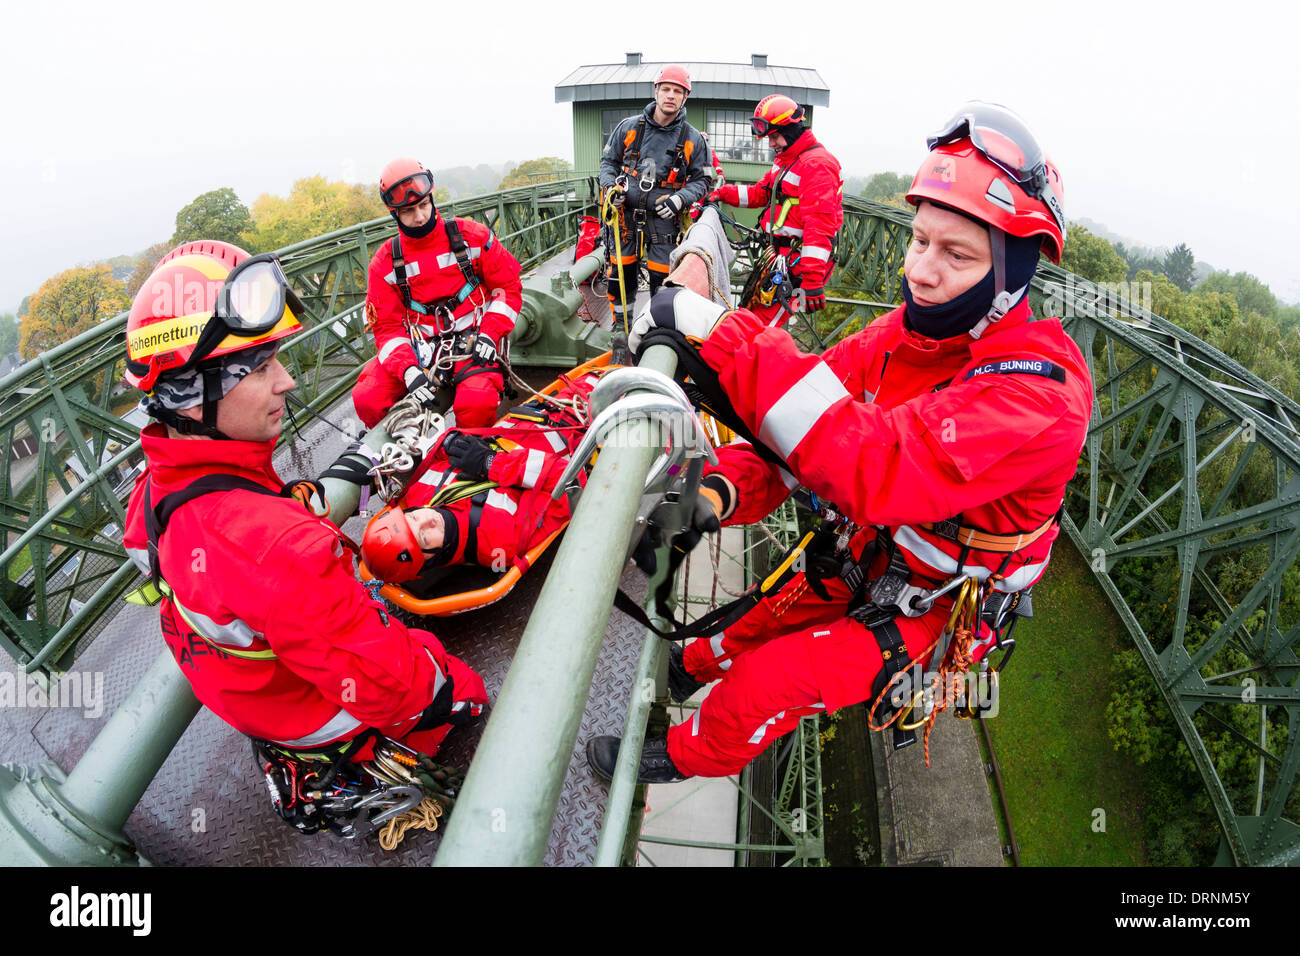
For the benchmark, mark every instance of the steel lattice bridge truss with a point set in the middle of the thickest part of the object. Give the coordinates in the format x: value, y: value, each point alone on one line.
x: 1185, y: 504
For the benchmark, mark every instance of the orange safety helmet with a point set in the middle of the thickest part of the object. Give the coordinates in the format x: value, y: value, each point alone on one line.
x: 674, y: 74
x: 389, y: 547
x: 404, y: 182
x: 204, y: 300
x: 773, y: 112
x: 987, y: 164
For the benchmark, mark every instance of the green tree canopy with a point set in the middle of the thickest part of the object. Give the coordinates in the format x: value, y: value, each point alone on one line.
x: 1092, y: 257
x: 68, y: 304
x: 1251, y: 294
x: 887, y: 187
x: 8, y: 334
x: 544, y: 170
x: 214, y: 215
x: 1180, y: 266
x: 313, y: 207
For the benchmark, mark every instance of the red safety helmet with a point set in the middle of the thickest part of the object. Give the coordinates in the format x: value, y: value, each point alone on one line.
x: 986, y: 164
x: 203, y: 300
x: 674, y: 74
x: 389, y: 547
x: 773, y: 112
x: 404, y: 182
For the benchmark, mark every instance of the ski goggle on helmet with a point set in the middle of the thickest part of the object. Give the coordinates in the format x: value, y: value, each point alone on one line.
x: 204, y: 300
x: 1004, y: 140
x: 408, y: 191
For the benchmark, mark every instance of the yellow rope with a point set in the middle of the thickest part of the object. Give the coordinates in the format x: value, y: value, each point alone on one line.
x: 422, y: 817
x: 610, y: 214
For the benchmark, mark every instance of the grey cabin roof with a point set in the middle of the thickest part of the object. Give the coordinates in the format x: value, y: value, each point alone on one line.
x: 751, y: 81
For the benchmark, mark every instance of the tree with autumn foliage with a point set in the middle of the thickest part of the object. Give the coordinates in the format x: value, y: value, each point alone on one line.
x: 313, y: 207
x: 72, y: 302
x: 544, y: 170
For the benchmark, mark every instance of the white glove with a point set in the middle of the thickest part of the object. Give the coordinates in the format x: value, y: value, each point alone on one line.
x: 688, y: 312
x: 668, y: 207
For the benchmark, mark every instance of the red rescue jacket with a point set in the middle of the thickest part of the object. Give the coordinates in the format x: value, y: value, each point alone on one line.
x: 903, y: 432
x: 266, y: 619
x: 807, y: 174
x: 434, y: 274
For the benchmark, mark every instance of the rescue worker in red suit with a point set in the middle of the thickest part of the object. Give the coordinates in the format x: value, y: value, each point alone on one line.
x: 442, y: 319
x: 261, y: 608
x: 801, y: 201
x: 654, y: 167
x: 946, y: 430
x: 434, y: 525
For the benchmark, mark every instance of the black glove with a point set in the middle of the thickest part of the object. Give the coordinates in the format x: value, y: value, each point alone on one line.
x: 418, y: 385
x: 668, y: 207
x: 483, y: 352
x: 468, y: 453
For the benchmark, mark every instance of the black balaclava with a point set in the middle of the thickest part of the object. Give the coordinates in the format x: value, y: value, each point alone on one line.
x: 421, y: 231
x: 960, y: 315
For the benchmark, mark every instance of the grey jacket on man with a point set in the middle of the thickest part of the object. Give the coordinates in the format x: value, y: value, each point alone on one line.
x: 658, y: 145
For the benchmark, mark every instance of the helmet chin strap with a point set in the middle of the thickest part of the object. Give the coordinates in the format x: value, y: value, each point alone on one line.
x: 1002, y: 299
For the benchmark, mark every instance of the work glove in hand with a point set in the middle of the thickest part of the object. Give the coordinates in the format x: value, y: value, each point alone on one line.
x: 420, y: 388
x: 483, y: 352
x: 814, y: 300
x: 468, y: 453
x: 675, y: 308
x: 668, y: 207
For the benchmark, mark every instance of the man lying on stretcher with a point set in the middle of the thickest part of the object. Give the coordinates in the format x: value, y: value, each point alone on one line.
x: 482, y: 496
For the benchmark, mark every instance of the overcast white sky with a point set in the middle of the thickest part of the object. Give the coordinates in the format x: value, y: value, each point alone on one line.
x: 1171, y: 123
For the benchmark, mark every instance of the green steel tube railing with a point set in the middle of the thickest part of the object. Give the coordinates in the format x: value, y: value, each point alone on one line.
x: 504, y: 813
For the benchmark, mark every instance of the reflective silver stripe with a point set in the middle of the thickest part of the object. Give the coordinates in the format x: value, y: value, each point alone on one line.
x: 139, y: 557
x: 695, y: 723
x: 431, y: 477
x: 799, y: 409
x: 788, y: 231
x: 499, y: 499
x: 412, y: 270
x: 911, y: 541
x: 742, y: 196
x: 338, y: 726
x: 499, y: 306
x: 792, y: 178
x: 787, y: 479
x: 771, y: 722
x: 234, y: 634
x: 448, y: 259
x: 817, y: 252
x: 533, y: 467
x: 715, y: 645
x: 556, y: 442
x: 391, y: 346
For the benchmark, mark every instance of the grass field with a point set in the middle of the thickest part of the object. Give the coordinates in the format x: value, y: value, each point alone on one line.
x: 1062, y: 776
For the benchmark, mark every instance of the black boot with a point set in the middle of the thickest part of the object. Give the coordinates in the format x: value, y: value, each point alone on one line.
x: 681, y: 685
x: 656, y: 765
